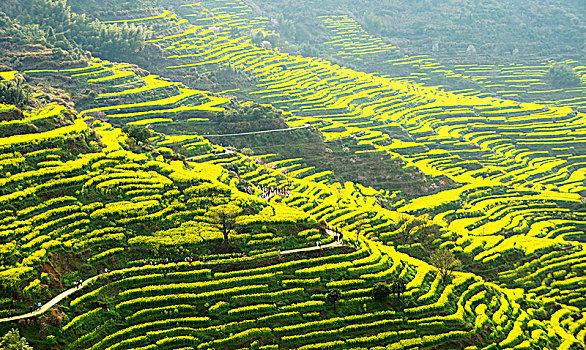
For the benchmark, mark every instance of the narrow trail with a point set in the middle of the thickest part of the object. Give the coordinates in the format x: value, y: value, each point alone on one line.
x: 207, y: 155
x: 261, y: 132
x: 68, y: 292
x: 245, y: 133
x: 313, y: 248
x: 253, y: 132
x: 48, y: 304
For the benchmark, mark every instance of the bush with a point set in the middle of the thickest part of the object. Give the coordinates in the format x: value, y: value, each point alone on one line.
x: 561, y: 75
x: 247, y: 151
x: 12, y: 340
x: 380, y: 291
x: 138, y: 132
x: 14, y: 92
x: 333, y: 296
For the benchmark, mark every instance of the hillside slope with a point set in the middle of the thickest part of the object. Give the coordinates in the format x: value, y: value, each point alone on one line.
x: 205, y: 206
x: 495, y: 28
x: 75, y: 203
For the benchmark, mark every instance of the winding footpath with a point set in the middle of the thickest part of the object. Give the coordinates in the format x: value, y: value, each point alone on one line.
x: 261, y: 131
x: 226, y: 151
x: 49, y: 304
x: 313, y: 248
x: 241, y: 134
x: 305, y: 126
x: 68, y: 292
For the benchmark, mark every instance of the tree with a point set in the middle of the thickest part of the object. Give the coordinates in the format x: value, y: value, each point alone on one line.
x: 380, y: 291
x: 561, y: 75
x: 224, y: 218
x: 15, y: 92
x: 398, y: 287
x: 333, y: 296
x: 138, y: 132
x: 445, y: 261
x: 13, y: 341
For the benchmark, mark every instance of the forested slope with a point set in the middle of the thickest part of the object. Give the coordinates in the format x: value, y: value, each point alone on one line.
x: 495, y: 28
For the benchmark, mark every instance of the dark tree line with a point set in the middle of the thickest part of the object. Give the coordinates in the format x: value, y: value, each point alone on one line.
x: 72, y: 32
x: 255, y: 111
x: 562, y: 76
x: 15, y: 92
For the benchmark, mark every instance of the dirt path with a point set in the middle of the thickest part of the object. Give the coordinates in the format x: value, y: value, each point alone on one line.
x: 47, y: 305
x: 207, y: 155
x: 313, y: 248
x: 68, y: 292
x: 260, y: 132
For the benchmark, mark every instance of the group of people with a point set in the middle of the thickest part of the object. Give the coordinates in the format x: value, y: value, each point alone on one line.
x: 78, y: 284
x: 156, y: 262
x: 317, y: 244
x: 338, y: 235
x: 35, y: 306
x: 269, y: 191
x: 189, y: 259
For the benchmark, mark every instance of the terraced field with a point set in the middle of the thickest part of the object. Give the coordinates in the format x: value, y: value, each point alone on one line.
x: 261, y: 300
x: 73, y: 191
x: 353, y: 45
